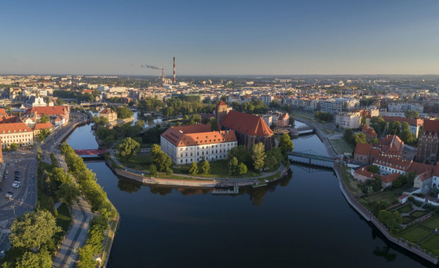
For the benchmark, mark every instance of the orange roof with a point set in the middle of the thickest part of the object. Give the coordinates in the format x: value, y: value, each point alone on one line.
x: 363, y: 148
x: 390, y: 178
x: 222, y: 103
x: 8, y: 119
x: 107, y: 111
x: 14, y: 127
x: 49, y: 110
x: 46, y: 125
x: 395, y: 163
x: 194, y: 135
x: 366, y: 173
x: 369, y: 132
x: 249, y: 124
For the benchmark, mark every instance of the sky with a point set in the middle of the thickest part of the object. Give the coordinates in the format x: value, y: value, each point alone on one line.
x: 224, y: 37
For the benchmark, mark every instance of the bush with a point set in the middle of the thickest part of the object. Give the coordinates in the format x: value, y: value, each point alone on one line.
x: 429, y: 207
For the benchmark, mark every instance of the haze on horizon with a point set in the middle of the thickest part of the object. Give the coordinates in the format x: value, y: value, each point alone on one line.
x: 220, y: 38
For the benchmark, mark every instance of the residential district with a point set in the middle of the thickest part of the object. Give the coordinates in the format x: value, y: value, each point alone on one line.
x: 380, y: 132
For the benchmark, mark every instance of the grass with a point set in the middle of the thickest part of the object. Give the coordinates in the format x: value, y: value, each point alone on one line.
x: 340, y: 146
x: 405, y: 209
x: 431, y: 243
x: 139, y: 162
x: 44, y: 201
x: 63, y: 220
x: 111, y: 235
x: 432, y: 223
x: 415, y: 234
x: 352, y: 185
x: 218, y: 169
x: 407, y: 219
x: 418, y: 214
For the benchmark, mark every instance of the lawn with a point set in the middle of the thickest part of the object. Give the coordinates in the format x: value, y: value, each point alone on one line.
x: 431, y: 243
x: 340, y: 146
x: 432, y: 223
x: 352, y: 185
x: 139, y: 162
x: 418, y: 214
x: 387, y: 196
x: 415, y: 234
x: 405, y: 209
x: 63, y: 220
x: 218, y: 169
x: 407, y: 219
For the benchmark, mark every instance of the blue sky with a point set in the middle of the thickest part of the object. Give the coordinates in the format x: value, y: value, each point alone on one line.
x: 220, y: 37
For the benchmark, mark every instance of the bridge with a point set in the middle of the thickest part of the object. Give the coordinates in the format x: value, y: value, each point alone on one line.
x: 92, y: 104
x: 306, y: 157
x: 99, y: 152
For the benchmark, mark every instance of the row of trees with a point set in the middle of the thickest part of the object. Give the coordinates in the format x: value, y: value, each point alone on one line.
x: 123, y: 112
x: 205, y: 168
x: 95, y: 239
x: 251, y: 107
x: 322, y: 116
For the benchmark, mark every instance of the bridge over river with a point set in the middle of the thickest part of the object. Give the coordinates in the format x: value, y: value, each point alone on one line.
x: 310, y: 157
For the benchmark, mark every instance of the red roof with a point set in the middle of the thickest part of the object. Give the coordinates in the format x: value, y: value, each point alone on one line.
x: 196, y: 135
x: 410, y: 121
x: 390, y: 178
x: 249, y: 124
x: 222, y: 103
x: 431, y: 125
x: 49, y: 110
x: 46, y: 125
x: 14, y: 127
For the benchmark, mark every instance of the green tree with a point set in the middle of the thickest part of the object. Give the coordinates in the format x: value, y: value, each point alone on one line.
x: 140, y: 123
x: 123, y: 112
x: 13, y: 146
x: 258, y: 156
x: 68, y: 192
x: 33, y: 229
x: 205, y: 167
x: 44, y: 118
x: 348, y: 135
x: 128, y: 148
x: 41, y: 259
x: 285, y: 144
x: 395, y: 127
x: 378, y: 124
x: 153, y: 170
x: 391, y: 220
x: 233, y: 166
x: 242, y: 169
x: 100, y: 120
x: 169, y: 171
x: 59, y: 102
x: 363, y: 120
x: 86, y: 257
x: 360, y: 138
x: 411, y: 114
x: 194, y: 169
x: 241, y: 153
x: 373, y: 169
x: 406, y: 135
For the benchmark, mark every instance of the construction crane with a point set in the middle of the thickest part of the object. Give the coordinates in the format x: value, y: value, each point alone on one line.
x: 156, y: 68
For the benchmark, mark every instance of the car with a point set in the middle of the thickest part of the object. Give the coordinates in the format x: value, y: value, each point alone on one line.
x: 7, y: 171
x: 17, y: 180
x: 9, y: 195
x: 16, y: 185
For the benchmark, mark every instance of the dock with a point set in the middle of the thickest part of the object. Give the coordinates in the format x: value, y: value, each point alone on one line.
x: 227, y: 191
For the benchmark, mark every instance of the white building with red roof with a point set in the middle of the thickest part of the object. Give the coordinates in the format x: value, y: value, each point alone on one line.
x: 61, y: 113
x: 187, y: 144
x: 17, y: 133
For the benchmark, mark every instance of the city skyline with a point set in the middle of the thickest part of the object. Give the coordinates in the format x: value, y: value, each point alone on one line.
x: 227, y: 38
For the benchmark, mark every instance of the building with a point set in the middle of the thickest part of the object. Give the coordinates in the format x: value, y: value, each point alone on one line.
x: 59, y: 115
x: 404, y: 106
x: 389, y: 146
x: 249, y: 129
x: 348, y: 120
x: 283, y: 120
x: 266, y: 99
x: 334, y: 106
x: 414, y: 124
x: 17, y: 133
x: 109, y: 114
x: 428, y: 143
x: 370, y: 133
x: 187, y: 144
x: 40, y: 126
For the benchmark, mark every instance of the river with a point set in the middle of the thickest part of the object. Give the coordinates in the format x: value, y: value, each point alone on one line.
x: 301, y: 221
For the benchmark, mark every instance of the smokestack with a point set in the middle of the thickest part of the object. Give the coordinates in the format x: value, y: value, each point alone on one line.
x: 175, y: 77
x: 163, y: 76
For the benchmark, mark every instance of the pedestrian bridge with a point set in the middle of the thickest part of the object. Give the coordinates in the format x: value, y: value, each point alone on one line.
x: 90, y: 152
x: 311, y: 158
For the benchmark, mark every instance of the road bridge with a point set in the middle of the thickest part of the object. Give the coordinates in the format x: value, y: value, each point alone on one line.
x: 91, y: 151
x: 307, y: 157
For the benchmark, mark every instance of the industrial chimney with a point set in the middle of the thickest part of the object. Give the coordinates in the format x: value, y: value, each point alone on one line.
x: 175, y: 77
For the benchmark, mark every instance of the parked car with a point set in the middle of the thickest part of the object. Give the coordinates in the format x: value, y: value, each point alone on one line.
x: 9, y: 195
x: 7, y: 171
x: 16, y: 185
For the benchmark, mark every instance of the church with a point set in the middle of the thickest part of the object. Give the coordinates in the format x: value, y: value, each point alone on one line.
x: 249, y: 129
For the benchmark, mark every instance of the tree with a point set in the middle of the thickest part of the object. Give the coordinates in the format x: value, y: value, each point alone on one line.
x: 391, y: 220
x: 360, y: 138
x: 86, y: 257
x: 258, y: 156
x: 363, y: 120
x: 241, y: 153
x: 163, y: 162
x: 194, y: 169
x: 100, y: 120
x: 153, y: 170
x: 242, y: 169
x: 123, y: 112
x: 411, y: 114
x: 140, y: 123
x: 68, y: 192
x: 205, y: 167
x: 406, y: 135
x: 33, y: 229
x: 59, y: 102
x: 378, y: 124
x: 373, y: 169
x: 285, y: 144
x: 169, y: 171
x: 348, y: 135
x: 377, y: 183
x: 128, y: 148
x: 233, y: 165
x: 44, y: 118
x: 13, y: 146
x: 40, y: 259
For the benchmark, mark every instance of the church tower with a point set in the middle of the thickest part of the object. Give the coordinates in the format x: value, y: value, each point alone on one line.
x: 220, y: 112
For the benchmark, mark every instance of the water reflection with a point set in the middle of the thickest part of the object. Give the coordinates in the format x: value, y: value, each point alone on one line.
x: 128, y: 186
x: 384, y: 252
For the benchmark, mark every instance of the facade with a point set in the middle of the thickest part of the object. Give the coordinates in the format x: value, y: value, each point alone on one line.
x: 187, y: 144
x: 348, y: 120
x: 389, y: 146
x: 249, y: 129
x: 414, y: 124
x: 266, y: 99
x: 404, y: 106
x: 370, y: 133
x: 17, y: 133
x: 109, y: 114
x: 334, y: 106
x: 40, y: 126
x: 428, y: 143
x: 61, y: 113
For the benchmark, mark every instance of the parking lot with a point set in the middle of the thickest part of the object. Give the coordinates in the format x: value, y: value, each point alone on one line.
x: 9, y: 178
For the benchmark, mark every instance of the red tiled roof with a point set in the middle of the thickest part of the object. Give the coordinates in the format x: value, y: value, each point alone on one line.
x: 390, y: 178
x: 195, y: 135
x: 14, y: 127
x: 249, y: 124
x: 362, y: 148
x: 222, y: 103
x: 49, y: 110
x: 392, y: 162
x: 431, y: 125
x: 46, y: 125
x: 366, y: 173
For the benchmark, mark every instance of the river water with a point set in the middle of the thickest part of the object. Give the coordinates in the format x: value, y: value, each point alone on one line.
x: 301, y: 221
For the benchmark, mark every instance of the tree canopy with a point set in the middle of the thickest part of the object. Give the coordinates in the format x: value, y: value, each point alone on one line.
x: 128, y: 148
